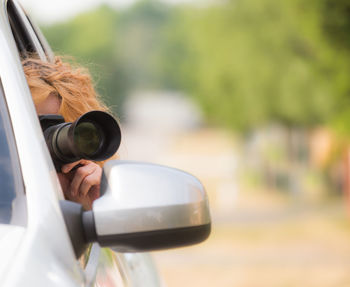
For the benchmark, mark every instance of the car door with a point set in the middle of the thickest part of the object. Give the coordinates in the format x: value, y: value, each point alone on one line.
x: 43, y: 255
x: 29, y: 39
x: 101, y: 267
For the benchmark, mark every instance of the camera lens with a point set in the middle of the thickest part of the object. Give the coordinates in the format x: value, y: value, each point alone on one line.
x: 88, y: 138
x: 95, y: 136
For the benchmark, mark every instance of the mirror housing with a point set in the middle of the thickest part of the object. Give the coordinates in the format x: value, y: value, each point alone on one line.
x: 147, y: 207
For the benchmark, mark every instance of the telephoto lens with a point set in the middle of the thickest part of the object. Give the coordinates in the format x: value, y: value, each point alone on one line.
x: 93, y: 136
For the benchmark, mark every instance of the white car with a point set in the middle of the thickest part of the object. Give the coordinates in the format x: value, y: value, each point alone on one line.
x: 48, y: 241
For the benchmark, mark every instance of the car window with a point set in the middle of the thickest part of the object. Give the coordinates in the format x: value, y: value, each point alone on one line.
x: 26, y: 37
x: 12, y: 197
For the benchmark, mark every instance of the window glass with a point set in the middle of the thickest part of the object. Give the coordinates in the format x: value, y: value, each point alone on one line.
x: 12, y: 199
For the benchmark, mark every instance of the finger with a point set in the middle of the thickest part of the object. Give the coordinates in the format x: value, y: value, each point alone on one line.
x: 69, y: 166
x: 79, y: 176
x: 88, y: 182
x: 94, y: 192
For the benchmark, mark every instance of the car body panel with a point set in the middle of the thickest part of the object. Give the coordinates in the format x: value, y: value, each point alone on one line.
x: 10, y: 239
x: 45, y: 236
x: 41, y: 253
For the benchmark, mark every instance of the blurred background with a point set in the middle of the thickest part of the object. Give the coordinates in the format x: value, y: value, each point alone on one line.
x: 250, y: 96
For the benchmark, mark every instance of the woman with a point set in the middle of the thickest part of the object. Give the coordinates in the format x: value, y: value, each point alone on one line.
x: 58, y: 88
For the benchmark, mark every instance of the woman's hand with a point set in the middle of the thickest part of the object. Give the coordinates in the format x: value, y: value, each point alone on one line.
x: 81, y: 185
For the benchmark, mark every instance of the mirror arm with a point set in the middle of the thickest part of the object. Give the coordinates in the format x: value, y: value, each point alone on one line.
x: 72, y: 214
x: 89, y: 226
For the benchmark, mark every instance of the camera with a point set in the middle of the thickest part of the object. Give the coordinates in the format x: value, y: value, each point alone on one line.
x: 94, y: 136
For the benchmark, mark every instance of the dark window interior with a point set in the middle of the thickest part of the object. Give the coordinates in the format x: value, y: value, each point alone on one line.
x: 23, y: 40
x: 27, y: 35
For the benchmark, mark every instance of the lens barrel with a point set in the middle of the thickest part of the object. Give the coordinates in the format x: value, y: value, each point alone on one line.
x: 94, y: 136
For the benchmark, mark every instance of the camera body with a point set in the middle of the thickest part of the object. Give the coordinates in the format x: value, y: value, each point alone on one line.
x: 94, y: 136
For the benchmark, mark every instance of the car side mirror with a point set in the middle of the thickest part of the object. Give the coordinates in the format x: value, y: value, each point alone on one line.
x: 147, y: 207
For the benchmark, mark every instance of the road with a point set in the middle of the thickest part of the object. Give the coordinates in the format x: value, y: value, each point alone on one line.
x: 306, y: 246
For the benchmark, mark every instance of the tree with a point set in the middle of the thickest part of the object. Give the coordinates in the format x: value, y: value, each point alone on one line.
x: 249, y: 62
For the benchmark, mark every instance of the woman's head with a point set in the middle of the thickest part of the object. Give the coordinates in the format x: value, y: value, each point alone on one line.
x: 59, y: 88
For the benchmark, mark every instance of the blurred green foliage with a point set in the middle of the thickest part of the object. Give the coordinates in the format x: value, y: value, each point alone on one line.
x: 246, y: 62
x: 118, y: 47
x: 336, y: 25
x: 89, y: 38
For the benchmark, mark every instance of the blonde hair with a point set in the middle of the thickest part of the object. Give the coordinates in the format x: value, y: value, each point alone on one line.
x: 72, y: 85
